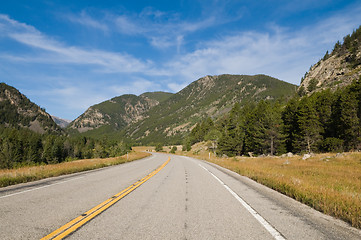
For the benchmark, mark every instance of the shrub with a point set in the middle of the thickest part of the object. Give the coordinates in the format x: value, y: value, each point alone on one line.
x: 173, y: 150
x: 332, y: 145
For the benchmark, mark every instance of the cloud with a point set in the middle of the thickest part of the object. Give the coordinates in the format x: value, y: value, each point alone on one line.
x: 164, y: 30
x: 54, y: 51
x: 135, y: 86
x: 279, y: 52
x: 66, y: 99
x: 175, y: 87
x: 129, y: 27
x: 84, y: 19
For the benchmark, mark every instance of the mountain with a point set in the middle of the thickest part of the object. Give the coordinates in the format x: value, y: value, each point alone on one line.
x: 16, y: 110
x: 337, y: 69
x: 165, y: 117
x: 210, y: 96
x: 117, y: 113
x: 63, y: 123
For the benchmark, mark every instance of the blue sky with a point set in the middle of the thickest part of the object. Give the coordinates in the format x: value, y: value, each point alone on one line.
x: 68, y: 55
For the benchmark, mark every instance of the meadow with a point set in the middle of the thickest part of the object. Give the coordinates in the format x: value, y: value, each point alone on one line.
x: 27, y: 174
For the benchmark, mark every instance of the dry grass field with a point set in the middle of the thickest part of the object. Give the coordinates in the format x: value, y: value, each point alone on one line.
x: 330, y: 183
x: 27, y: 174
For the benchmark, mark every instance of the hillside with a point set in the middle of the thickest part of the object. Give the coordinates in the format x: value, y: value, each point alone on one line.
x: 337, y: 69
x: 63, y: 123
x: 210, y: 96
x: 16, y: 110
x: 116, y: 113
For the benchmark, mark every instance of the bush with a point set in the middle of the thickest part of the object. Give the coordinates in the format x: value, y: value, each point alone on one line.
x: 312, y: 85
x: 159, y: 147
x: 187, y: 146
x: 332, y: 145
x: 173, y: 150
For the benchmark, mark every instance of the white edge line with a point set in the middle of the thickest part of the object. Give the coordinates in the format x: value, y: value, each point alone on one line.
x: 277, y: 235
x: 33, y: 189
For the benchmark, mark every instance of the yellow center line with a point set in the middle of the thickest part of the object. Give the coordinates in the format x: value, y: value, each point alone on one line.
x: 76, y: 223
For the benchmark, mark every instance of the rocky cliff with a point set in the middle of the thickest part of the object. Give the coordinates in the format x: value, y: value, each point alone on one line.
x: 337, y: 69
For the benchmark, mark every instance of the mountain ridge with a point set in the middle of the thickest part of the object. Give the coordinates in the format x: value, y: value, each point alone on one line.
x: 209, y: 96
x: 118, y: 111
x: 16, y: 110
x: 176, y: 114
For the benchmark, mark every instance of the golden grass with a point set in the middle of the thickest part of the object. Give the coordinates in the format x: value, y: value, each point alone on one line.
x: 143, y: 148
x: 27, y: 174
x: 326, y: 182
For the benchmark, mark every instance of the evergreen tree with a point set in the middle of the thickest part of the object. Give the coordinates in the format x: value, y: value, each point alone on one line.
x: 273, y: 125
x: 309, y: 126
x: 232, y: 138
x: 290, y: 124
x: 350, y: 120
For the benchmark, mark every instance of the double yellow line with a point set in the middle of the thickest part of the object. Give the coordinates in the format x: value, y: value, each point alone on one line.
x: 76, y: 223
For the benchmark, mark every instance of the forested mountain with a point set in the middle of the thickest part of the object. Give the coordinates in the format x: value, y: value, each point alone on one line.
x: 326, y: 121
x: 163, y: 117
x: 336, y: 69
x: 16, y: 110
x: 210, y: 96
x: 117, y: 113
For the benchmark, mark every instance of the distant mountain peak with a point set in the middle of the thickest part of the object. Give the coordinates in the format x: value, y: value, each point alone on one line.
x: 63, y: 123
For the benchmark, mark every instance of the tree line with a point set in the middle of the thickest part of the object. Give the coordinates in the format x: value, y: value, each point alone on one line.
x: 325, y: 121
x: 19, y: 147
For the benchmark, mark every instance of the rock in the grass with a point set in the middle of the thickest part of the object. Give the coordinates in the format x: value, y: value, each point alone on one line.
x: 286, y: 162
x: 306, y: 156
x: 289, y: 154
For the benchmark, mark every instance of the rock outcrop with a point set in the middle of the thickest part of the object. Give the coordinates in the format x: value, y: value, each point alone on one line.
x: 337, y: 69
x: 16, y: 110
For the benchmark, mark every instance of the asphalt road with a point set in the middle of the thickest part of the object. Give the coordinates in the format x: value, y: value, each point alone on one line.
x: 187, y: 199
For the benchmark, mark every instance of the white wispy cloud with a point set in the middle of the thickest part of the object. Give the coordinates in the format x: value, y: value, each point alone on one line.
x: 54, y: 51
x: 176, y: 87
x: 84, y: 19
x: 164, y: 30
x: 279, y: 52
x: 136, y: 86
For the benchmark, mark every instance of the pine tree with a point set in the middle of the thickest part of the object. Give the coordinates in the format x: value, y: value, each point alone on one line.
x: 273, y: 125
x: 290, y: 124
x: 309, y: 126
x: 350, y: 120
x: 232, y: 139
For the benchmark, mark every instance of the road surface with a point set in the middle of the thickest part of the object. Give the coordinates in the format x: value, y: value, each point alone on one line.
x: 187, y: 199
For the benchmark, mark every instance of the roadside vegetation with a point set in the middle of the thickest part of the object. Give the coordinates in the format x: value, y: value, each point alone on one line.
x: 21, y: 147
x: 27, y: 174
x: 327, y: 182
